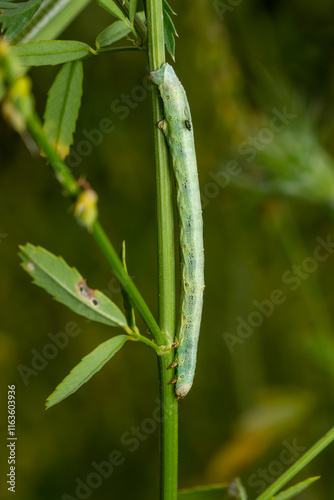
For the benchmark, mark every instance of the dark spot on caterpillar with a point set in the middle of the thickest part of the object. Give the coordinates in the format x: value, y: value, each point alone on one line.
x: 187, y: 124
x: 169, y: 118
x: 167, y: 96
x: 186, y: 284
x: 177, y: 171
x: 172, y: 139
x: 184, y: 317
x: 181, y: 376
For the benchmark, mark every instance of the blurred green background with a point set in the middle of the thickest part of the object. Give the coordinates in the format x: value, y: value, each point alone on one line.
x: 242, y: 64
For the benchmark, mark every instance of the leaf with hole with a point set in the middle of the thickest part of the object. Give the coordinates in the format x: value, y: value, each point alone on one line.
x: 67, y: 286
x: 113, y: 9
x: 87, y: 367
x: 62, y: 107
x: 295, y: 490
x: 15, y: 16
x: 50, y: 52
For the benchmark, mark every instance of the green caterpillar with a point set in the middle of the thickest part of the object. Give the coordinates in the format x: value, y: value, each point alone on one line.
x: 177, y: 127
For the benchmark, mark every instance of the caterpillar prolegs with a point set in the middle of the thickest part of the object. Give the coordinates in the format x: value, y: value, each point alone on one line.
x: 177, y: 127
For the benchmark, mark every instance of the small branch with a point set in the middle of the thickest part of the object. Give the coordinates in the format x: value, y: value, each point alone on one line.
x: 105, y: 245
x: 118, y: 49
x: 71, y: 186
x: 140, y: 338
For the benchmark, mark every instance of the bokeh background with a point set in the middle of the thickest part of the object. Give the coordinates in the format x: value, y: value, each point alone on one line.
x: 257, y: 392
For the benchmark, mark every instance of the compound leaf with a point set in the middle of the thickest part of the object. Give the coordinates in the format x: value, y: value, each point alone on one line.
x: 15, y: 16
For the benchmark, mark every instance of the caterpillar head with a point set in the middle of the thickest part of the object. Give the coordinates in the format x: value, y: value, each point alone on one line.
x: 182, y: 389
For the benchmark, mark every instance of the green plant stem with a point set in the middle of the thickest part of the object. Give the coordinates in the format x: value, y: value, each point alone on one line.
x: 70, y: 184
x: 116, y: 264
x: 166, y: 256
x: 118, y: 49
x: 144, y: 340
x: 298, y: 466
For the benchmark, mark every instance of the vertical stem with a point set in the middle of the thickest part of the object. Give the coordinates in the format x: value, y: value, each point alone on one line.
x: 166, y: 262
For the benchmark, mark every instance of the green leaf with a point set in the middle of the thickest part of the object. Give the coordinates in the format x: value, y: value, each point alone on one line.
x: 87, y: 367
x: 129, y: 311
x: 169, y: 32
x: 112, y: 8
x: 62, y: 107
x: 299, y: 465
x: 50, y: 52
x: 114, y: 32
x: 212, y: 492
x: 167, y: 7
x: 132, y: 9
x: 295, y: 490
x: 67, y: 286
x: 16, y: 16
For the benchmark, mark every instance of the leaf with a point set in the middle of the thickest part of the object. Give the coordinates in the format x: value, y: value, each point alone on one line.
x: 297, y: 466
x: 16, y: 16
x: 169, y: 32
x: 167, y: 7
x: 129, y: 311
x: 112, y: 8
x: 51, y: 20
x: 114, y: 32
x: 50, y: 52
x: 87, y: 367
x: 62, y: 107
x: 212, y: 492
x: 295, y: 490
x: 133, y: 4
x: 67, y: 286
